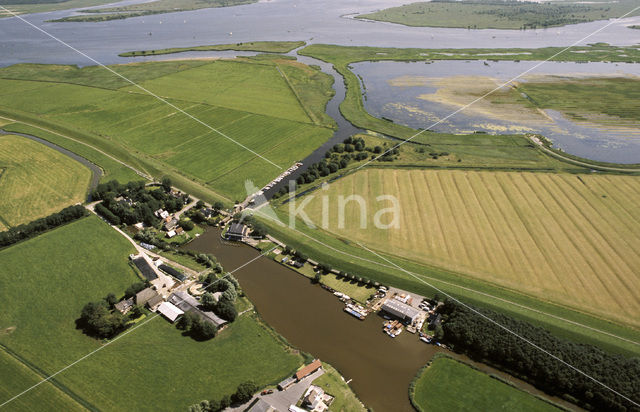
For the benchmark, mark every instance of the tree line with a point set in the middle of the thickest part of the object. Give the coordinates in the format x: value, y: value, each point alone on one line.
x: 469, y: 333
x: 243, y: 394
x: 339, y: 157
x: 29, y: 230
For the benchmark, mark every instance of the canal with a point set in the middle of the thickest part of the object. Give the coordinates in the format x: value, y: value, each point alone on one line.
x: 381, y: 368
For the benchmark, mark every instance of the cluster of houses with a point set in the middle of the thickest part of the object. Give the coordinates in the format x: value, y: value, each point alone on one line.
x: 177, y: 304
x: 169, y: 223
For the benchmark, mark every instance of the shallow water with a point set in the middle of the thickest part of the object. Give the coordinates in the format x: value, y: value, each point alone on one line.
x: 403, y: 104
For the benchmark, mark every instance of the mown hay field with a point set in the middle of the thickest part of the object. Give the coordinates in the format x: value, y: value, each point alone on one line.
x: 47, y: 280
x: 36, y: 180
x: 570, y: 239
x: 249, y: 102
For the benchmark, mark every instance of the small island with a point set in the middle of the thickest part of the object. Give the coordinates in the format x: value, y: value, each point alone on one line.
x: 509, y: 15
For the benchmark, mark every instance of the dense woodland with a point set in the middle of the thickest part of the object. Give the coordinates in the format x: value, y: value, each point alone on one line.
x: 484, y: 341
x: 133, y: 203
x: 29, y: 230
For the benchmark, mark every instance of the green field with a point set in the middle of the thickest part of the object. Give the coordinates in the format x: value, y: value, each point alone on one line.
x: 16, y: 377
x: 36, y: 180
x: 152, y: 7
x: 258, y: 46
x: 249, y: 101
x: 500, y: 15
x: 451, y: 385
x: 55, y: 274
x: 571, y: 239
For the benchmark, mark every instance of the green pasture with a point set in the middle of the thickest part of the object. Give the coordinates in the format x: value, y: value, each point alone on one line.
x: 248, y: 102
x: 37, y: 181
x: 52, y: 276
x: 448, y: 384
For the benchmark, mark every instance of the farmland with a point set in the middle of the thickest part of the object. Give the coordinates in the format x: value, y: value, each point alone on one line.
x: 48, y: 396
x: 445, y: 384
x: 36, y: 180
x: 570, y: 239
x: 504, y: 15
x: 53, y: 276
x: 248, y: 101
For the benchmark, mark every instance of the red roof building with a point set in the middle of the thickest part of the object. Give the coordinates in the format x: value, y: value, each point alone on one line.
x: 309, y: 369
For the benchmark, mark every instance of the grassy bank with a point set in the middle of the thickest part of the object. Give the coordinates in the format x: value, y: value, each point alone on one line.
x: 445, y: 385
x: 257, y: 46
x: 45, y: 6
x: 512, y: 15
x: 37, y: 180
x: 333, y: 384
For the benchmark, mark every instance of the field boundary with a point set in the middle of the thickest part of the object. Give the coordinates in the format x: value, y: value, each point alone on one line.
x: 312, y: 117
x: 42, y: 374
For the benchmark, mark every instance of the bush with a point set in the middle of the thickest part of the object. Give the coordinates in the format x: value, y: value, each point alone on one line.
x: 187, y: 225
x: 244, y: 392
x: 226, y: 310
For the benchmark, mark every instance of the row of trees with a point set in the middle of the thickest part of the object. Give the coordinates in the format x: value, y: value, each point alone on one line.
x: 196, y: 327
x: 339, y: 157
x: 243, y: 394
x: 482, y: 340
x: 29, y: 230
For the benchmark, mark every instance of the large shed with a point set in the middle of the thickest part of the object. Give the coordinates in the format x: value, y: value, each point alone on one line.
x: 169, y: 311
x: 400, y: 310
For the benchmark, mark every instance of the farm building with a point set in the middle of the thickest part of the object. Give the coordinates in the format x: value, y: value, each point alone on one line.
x: 124, y: 306
x: 237, y: 231
x: 173, y: 272
x: 400, y: 310
x: 145, y: 296
x: 169, y: 311
x: 188, y: 303
x: 309, y: 369
x: 261, y: 406
x: 286, y: 383
x: 154, y: 302
x: 144, y: 267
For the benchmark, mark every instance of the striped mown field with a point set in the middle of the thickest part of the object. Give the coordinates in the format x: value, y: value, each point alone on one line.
x: 571, y: 239
x: 36, y: 181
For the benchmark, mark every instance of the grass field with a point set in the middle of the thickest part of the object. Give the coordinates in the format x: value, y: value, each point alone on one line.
x: 258, y: 46
x: 55, y: 274
x: 504, y: 15
x: 249, y: 101
x: 15, y: 377
x: 37, y: 180
x: 152, y: 7
x: 568, y: 238
x: 450, y: 385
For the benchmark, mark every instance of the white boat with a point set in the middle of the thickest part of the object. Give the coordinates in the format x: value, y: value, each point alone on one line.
x: 338, y: 294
